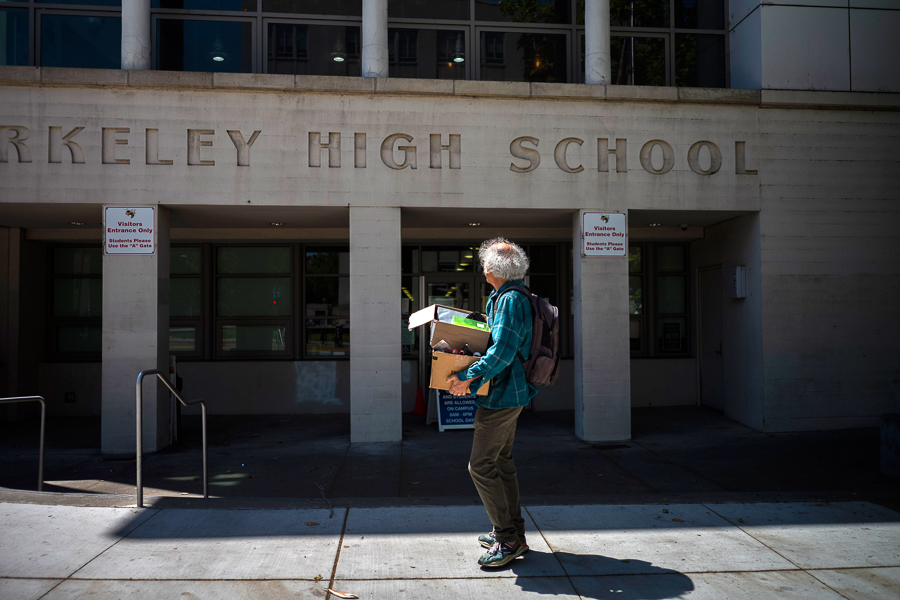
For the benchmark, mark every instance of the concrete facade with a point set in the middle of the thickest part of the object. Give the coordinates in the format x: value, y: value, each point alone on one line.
x: 136, y: 338
x: 815, y: 45
x: 797, y: 187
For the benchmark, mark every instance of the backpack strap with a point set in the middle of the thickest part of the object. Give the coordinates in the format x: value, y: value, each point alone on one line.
x: 525, y: 291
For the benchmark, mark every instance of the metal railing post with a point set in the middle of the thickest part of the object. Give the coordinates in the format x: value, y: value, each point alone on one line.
x: 139, y: 419
x: 43, y: 428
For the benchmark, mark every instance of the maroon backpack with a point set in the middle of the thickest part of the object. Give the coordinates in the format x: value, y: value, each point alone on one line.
x: 542, y: 366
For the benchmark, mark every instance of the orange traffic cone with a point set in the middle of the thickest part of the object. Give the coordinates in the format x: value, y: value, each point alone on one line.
x: 419, y: 410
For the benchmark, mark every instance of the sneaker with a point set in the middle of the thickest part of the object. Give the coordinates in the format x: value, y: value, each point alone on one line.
x: 500, y: 554
x: 487, y: 540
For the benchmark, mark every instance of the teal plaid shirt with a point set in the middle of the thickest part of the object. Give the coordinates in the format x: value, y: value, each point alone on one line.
x: 510, y: 321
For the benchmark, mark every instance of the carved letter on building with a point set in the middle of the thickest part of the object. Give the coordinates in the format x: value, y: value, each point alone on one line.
x: 21, y: 134
x: 152, y: 149
x: 57, y: 140
x: 194, y: 145
x: 668, y: 157
x: 359, y: 150
x: 452, y: 149
x: 740, y: 160
x: 109, y: 141
x: 620, y: 152
x: 715, y: 158
x: 387, y: 152
x: 559, y: 154
x: 333, y: 146
x: 243, y: 147
x: 530, y: 154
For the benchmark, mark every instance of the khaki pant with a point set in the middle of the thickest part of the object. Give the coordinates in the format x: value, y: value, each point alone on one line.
x: 494, y: 473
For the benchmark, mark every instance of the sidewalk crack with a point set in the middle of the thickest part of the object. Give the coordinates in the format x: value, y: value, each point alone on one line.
x: 337, y: 557
x: 546, y: 541
x: 156, y: 511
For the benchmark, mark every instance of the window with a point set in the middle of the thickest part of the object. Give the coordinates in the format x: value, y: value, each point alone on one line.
x: 203, y: 45
x: 14, y: 36
x: 89, y: 41
x: 186, y: 301
x: 524, y: 56
x: 76, y: 301
x: 671, y: 299
x: 313, y: 49
x: 658, y: 299
x: 327, y: 301
x: 253, y: 301
x: 636, y: 321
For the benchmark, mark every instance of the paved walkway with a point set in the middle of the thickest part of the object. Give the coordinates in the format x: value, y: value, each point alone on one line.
x: 817, y: 550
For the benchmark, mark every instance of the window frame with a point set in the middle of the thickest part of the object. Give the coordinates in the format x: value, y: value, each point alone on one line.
x: 219, y: 321
x: 54, y: 323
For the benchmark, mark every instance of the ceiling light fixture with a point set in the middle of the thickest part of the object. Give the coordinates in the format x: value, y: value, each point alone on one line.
x: 474, y: 224
x: 77, y: 223
x: 274, y: 224
x: 338, y: 55
x: 218, y: 53
x: 655, y: 224
x: 458, y: 54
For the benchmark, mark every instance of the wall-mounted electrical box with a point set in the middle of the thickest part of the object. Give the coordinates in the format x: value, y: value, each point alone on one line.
x: 736, y: 282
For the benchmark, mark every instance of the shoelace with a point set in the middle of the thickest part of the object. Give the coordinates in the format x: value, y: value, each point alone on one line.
x: 495, y: 548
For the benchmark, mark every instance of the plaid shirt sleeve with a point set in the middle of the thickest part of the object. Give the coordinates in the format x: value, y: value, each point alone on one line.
x: 511, y: 333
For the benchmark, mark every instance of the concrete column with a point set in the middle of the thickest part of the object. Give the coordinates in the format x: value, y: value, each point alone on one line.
x: 136, y: 34
x: 596, y: 42
x: 374, y: 38
x: 135, y: 338
x: 375, y: 358
x: 602, y: 354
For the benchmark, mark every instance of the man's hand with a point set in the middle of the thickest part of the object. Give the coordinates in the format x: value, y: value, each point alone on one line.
x: 457, y: 387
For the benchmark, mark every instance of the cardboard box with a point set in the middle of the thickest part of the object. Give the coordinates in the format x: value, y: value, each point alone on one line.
x: 439, y: 317
x: 444, y: 364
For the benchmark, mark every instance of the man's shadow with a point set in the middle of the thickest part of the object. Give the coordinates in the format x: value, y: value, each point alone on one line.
x: 604, y: 578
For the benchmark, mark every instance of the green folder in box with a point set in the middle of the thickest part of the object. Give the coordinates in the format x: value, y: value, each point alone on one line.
x: 464, y: 322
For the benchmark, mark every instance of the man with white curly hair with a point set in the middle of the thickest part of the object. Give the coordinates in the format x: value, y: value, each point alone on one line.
x: 491, y: 462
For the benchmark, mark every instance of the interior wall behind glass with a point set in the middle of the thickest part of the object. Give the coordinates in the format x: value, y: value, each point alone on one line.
x: 76, y: 41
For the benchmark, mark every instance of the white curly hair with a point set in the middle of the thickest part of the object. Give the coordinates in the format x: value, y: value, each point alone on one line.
x: 503, y: 259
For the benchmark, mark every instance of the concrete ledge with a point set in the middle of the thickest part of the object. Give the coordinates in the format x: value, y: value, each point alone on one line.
x: 815, y: 99
x: 84, y: 76
x: 644, y: 93
x: 315, y: 83
x: 325, y: 83
x: 718, y: 96
x: 413, y: 86
x: 491, y: 88
x: 253, y: 81
x: 22, y: 74
x: 568, y: 90
x: 170, y: 78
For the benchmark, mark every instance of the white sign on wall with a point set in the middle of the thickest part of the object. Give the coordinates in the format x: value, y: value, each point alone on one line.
x: 129, y: 230
x: 604, y: 234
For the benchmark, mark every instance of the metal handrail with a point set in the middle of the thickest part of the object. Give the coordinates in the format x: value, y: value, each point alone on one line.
x: 140, y: 432
x: 43, y: 418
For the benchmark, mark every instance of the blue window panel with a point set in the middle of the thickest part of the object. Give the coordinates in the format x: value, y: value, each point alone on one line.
x: 92, y: 42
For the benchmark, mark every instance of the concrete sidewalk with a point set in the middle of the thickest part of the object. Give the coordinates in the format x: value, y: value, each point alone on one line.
x: 818, y: 550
